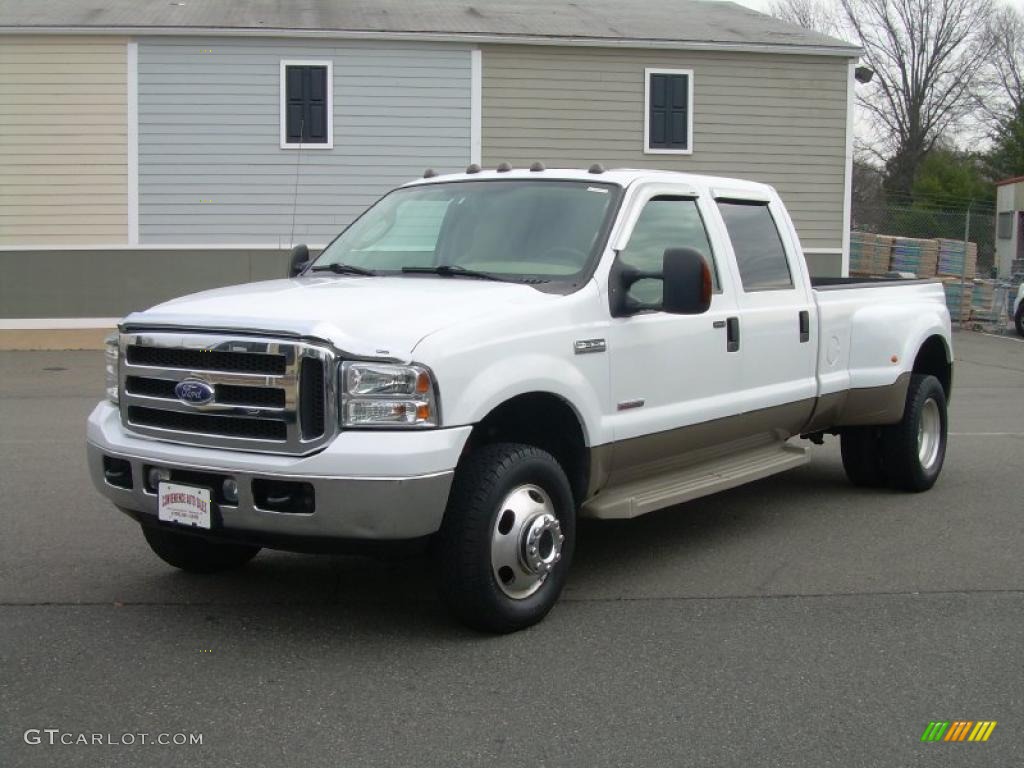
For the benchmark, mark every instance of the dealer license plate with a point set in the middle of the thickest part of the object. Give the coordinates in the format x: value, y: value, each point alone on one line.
x: 184, y: 505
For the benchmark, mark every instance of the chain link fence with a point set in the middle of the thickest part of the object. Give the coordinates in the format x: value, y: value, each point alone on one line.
x: 976, y: 224
x: 956, y: 245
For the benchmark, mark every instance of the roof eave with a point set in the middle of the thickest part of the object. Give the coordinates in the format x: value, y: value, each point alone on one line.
x: 446, y: 37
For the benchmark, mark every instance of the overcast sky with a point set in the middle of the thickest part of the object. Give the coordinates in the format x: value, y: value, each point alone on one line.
x: 757, y: 5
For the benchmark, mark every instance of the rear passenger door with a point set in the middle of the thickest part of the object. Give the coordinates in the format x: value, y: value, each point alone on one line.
x: 777, y: 334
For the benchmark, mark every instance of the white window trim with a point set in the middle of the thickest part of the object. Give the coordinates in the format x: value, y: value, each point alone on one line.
x: 285, y: 63
x: 647, y: 111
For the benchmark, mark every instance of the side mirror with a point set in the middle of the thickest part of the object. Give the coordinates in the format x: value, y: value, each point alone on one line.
x: 686, y: 278
x: 686, y: 285
x: 300, y: 258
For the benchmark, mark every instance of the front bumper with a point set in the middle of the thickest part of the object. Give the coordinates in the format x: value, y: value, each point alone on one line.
x: 357, y: 494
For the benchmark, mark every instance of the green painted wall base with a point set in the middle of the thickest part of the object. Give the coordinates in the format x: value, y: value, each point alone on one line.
x: 825, y: 264
x: 112, y: 283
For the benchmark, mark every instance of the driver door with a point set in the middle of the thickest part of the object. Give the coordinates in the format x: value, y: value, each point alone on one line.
x: 670, y: 372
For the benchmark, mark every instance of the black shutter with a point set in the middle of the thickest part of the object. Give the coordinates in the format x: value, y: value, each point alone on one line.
x: 306, y: 104
x: 669, y: 106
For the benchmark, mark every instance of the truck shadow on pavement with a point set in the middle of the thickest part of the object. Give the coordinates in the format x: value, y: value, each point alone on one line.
x: 655, y: 555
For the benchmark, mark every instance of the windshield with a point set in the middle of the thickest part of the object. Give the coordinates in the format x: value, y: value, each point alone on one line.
x: 517, y: 230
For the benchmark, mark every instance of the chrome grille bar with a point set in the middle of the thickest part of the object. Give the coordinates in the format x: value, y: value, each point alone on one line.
x: 257, y: 384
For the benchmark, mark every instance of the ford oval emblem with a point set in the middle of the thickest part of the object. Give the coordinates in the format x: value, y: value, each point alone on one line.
x: 194, y: 392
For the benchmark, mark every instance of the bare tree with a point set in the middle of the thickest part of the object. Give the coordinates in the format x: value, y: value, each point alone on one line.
x: 1000, y: 91
x: 816, y: 15
x: 927, y: 56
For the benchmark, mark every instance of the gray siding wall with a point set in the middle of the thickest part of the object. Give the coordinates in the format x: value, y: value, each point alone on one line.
x: 779, y: 119
x: 211, y: 169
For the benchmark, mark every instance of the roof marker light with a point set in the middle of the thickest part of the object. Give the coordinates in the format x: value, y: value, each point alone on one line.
x: 537, y: 167
x: 596, y: 168
x: 472, y: 168
x: 503, y: 168
x: 429, y: 173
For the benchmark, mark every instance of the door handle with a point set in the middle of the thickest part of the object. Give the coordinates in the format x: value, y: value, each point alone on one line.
x: 805, y: 326
x: 732, y: 334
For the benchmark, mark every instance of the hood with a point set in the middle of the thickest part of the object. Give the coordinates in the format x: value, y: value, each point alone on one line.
x: 365, y: 316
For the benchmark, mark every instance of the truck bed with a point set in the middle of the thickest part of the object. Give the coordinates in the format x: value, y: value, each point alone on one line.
x: 838, y: 283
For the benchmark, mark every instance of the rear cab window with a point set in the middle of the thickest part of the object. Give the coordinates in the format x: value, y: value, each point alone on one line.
x: 760, y: 255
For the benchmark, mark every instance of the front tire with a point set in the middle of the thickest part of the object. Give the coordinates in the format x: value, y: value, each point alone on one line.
x: 915, y: 448
x: 506, y: 543
x: 1018, y: 320
x: 196, y: 554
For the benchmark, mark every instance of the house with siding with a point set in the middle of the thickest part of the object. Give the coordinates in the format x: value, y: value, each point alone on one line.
x: 152, y: 148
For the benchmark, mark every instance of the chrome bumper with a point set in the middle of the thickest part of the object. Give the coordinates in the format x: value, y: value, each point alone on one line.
x: 344, y: 507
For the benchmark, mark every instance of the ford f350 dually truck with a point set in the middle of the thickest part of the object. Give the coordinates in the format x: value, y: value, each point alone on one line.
x: 482, y: 358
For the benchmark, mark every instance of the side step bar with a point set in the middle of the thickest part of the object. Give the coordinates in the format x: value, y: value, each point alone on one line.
x: 639, y: 497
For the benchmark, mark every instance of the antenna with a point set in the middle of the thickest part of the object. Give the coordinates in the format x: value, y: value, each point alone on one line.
x: 295, y: 196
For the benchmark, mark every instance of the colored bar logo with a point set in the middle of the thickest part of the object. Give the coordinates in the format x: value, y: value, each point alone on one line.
x: 958, y: 730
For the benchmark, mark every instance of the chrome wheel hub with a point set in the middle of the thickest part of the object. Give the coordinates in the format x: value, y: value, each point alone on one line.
x: 526, y: 541
x: 929, y: 434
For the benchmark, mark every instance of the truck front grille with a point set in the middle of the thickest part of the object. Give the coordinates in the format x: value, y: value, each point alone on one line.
x: 238, y: 362
x: 201, y: 423
x: 271, y: 395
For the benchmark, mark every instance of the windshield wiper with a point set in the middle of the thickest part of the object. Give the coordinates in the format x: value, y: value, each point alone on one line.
x: 448, y: 270
x: 344, y: 269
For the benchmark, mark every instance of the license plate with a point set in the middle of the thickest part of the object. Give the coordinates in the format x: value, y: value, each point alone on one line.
x: 184, y: 505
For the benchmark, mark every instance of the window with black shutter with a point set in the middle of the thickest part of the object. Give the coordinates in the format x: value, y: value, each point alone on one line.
x: 306, y: 104
x: 669, y: 104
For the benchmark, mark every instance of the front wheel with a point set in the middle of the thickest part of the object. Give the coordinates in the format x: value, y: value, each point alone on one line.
x: 504, y: 548
x: 1018, y: 320
x: 195, y: 554
x: 915, y: 448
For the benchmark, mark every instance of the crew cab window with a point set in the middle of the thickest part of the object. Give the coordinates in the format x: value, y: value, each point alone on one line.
x: 665, y: 222
x: 760, y: 256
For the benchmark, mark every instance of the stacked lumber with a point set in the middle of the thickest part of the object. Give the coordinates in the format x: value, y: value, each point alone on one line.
x: 957, y: 258
x: 869, y: 253
x: 983, y: 302
x: 911, y: 254
x: 958, y: 298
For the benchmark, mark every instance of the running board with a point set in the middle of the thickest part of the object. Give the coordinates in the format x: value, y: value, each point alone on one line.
x: 639, y: 497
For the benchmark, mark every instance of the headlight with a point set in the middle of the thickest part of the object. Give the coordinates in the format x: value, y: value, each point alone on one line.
x: 386, y: 395
x: 110, y: 353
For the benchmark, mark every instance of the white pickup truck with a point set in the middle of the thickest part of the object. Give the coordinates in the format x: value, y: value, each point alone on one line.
x: 482, y: 358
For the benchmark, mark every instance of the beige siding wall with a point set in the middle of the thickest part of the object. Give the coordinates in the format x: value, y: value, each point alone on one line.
x: 778, y: 119
x: 63, y: 140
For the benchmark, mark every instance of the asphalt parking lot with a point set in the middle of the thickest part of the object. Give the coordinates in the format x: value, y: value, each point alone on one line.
x: 795, y: 621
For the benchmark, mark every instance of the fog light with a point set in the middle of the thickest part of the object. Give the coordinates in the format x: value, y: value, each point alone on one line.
x: 229, y: 489
x: 155, y: 476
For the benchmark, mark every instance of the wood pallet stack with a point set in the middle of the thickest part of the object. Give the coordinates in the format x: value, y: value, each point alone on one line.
x: 958, y: 259
x: 862, y: 252
x: 869, y: 253
x: 872, y: 254
x: 983, y: 302
x: 958, y: 298
x: 911, y: 254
